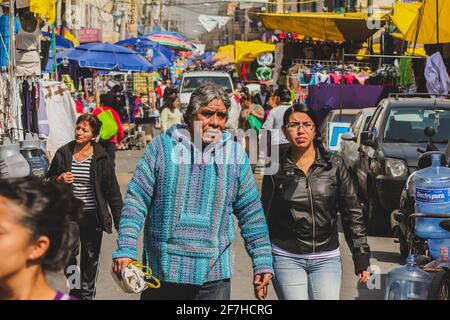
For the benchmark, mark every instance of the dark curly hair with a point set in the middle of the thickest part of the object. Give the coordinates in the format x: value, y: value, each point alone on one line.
x: 49, y: 210
x: 93, y: 121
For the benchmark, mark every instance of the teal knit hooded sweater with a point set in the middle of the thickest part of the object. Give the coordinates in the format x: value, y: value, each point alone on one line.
x: 185, y: 199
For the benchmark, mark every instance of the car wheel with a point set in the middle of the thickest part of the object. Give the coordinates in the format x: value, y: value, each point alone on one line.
x: 376, y: 217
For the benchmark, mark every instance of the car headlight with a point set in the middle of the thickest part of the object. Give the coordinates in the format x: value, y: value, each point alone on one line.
x: 395, y: 167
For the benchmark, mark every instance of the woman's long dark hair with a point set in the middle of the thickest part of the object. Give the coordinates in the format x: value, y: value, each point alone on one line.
x: 169, y: 102
x: 298, y: 107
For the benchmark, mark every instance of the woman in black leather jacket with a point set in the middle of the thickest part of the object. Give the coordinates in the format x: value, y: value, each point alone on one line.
x: 301, y: 203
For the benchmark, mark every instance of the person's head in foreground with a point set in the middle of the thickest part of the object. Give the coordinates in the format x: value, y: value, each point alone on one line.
x: 299, y: 127
x: 208, y: 107
x: 37, y: 234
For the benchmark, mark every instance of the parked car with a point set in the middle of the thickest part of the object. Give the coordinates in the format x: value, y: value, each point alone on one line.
x: 388, y: 153
x: 351, y: 140
x: 336, y: 115
x: 192, y: 80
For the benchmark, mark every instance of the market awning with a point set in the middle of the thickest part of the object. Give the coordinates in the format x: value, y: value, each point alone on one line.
x: 326, y: 26
x: 249, y: 51
x: 422, y: 19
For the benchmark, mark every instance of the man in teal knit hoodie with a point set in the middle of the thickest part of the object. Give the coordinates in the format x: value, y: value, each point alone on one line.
x: 184, y: 192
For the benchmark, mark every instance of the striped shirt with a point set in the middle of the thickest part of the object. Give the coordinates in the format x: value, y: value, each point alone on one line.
x: 82, y: 187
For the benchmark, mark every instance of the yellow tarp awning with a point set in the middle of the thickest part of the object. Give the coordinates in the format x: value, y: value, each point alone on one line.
x: 249, y: 51
x: 327, y: 25
x: 410, y: 17
x: 224, y: 52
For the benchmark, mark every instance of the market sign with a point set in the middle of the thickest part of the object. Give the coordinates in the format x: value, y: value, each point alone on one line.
x: 335, y: 131
x: 88, y: 35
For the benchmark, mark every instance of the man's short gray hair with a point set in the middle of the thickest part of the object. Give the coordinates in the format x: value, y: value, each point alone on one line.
x: 202, y: 96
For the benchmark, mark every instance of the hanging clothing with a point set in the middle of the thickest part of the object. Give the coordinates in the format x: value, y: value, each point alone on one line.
x: 61, y: 114
x: 44, y: 129
x: 405, y: 71
x: 438, y: 80
x: 28, y: 61
x: 4, y: 41
x: 29, y: 107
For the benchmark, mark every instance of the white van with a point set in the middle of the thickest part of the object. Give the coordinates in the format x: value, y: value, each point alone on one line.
x: 193, y: 79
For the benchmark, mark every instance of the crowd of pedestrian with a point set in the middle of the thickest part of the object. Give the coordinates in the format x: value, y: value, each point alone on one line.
x: 182, y: 197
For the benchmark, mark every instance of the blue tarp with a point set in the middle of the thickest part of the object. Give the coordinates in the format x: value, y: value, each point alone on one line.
x: 162, y: 56
x: 106, y: 56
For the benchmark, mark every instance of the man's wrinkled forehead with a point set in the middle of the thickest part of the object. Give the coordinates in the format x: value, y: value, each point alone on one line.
x: 216, y: 104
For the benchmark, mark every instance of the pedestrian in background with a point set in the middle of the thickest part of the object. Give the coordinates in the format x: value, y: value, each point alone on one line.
x: 110, y: 145
x: 185, y: 192
x: 281, y: 101
x: 171, y: 114
x: 37, y: 235
x: 84, y: 165
x: 301, y: 203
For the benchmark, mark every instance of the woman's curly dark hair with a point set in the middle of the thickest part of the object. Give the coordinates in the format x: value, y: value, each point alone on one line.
x: 49, y: 210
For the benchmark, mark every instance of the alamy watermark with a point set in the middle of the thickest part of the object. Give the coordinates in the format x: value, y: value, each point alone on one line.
x: 255, y: 144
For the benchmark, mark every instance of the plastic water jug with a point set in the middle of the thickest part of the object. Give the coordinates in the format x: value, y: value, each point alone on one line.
x: 432, y: 195
x: 407, y: 282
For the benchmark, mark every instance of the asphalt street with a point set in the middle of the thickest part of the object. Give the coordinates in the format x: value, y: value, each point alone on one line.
x: 384, y: 257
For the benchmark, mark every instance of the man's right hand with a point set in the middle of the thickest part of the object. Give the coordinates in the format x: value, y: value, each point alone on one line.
x: 66, y: 177
x: 120, y: 264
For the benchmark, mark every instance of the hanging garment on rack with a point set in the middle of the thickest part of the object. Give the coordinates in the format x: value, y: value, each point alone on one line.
x: 438, y: 80
x: 29, y: 107
x: 44, y: 129
x: 4, y: 41
x: 405, y: 71
x: 61, y: 114
x: 28, y: 61
x: 335, y: 78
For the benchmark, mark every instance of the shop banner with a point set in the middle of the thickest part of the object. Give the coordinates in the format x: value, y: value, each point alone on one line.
x: 88, y: 35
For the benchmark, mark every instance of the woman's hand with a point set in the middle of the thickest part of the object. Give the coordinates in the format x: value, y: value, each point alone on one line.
x: 66, y: 177
x: 364, y: 277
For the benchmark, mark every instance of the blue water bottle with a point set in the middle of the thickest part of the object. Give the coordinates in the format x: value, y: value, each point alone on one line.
x: 407, y: 282
x: 432, y: 195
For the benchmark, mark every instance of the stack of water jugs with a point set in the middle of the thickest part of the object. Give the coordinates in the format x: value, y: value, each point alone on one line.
x: 432, y: 195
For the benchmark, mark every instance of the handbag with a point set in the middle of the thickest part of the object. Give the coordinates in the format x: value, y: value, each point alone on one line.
x: 109, y: 126
x: 136, y: 278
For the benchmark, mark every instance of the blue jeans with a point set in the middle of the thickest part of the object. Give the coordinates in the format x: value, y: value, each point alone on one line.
x: 301, y: 279
x: 215, y: 290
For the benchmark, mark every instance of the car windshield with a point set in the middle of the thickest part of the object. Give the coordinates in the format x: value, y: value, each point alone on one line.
x: 408, y: 124
x: 348, y: 118
x: 191, y: 83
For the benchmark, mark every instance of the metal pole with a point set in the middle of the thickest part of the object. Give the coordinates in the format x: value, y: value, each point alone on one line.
x: 12, y: 68
x: 437, y: 21
x: 381, y: 56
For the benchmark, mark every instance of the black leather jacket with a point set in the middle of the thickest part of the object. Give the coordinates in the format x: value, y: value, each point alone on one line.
x: 301, y: 210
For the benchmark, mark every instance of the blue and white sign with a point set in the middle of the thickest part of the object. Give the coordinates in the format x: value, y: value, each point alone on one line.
x: 335, y: 131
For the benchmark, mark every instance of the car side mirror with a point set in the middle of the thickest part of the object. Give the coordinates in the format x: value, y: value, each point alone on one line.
x: 348, y: 136
x: 367, y: 138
